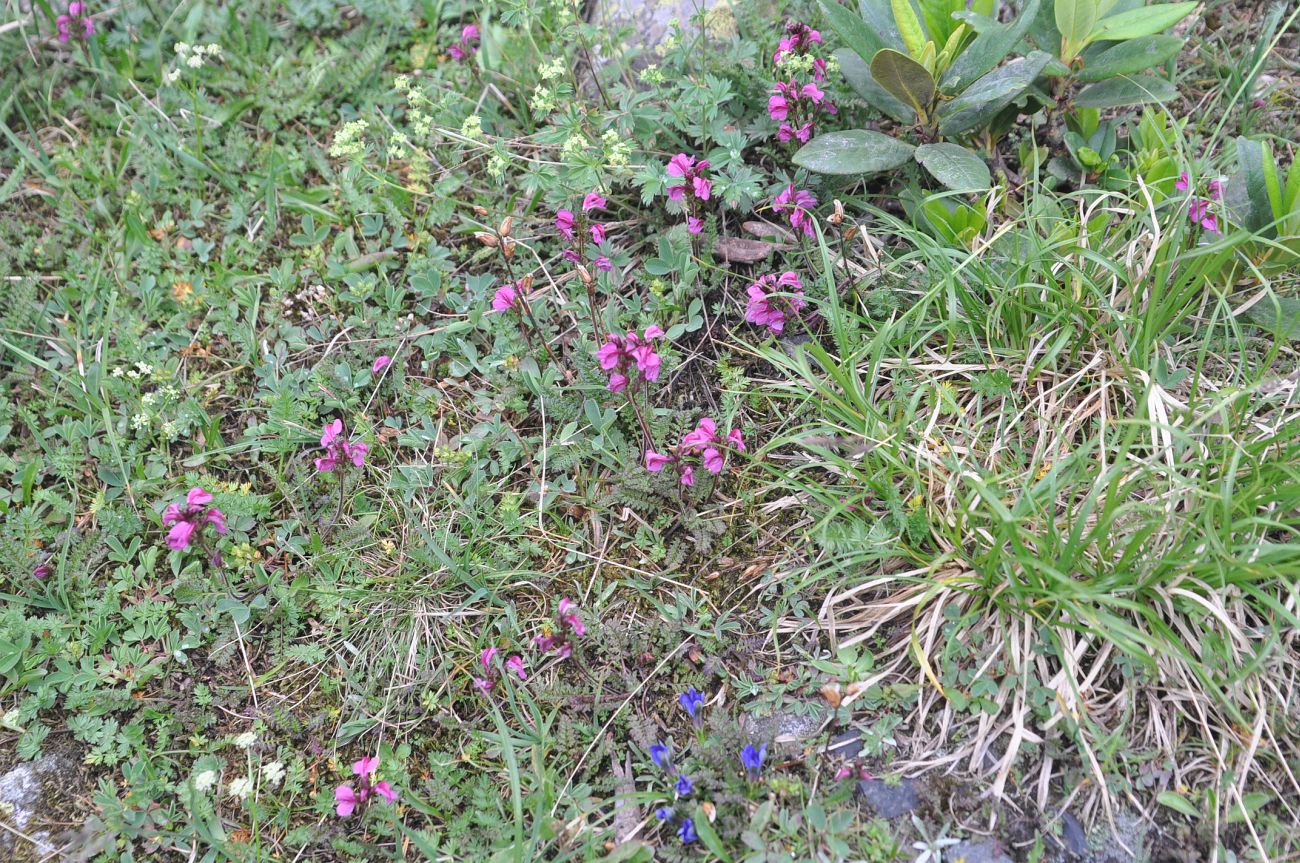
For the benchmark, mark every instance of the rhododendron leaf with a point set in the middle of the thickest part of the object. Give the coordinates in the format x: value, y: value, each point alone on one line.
x: 1143, y: 21
x: 956, y: 167
x: 854, y: 30
x: 858, y: 74
x: 984, y: 99
x: 857, y: 151
x: 905, y: 78
x: 880, y: 18
x: 988, y: 50
x: 909, y: 26
x: 1130, y: 57
x: 1075, y: 19
x: 1126, y: 91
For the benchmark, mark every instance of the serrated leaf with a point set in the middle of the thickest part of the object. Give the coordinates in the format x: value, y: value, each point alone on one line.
x: 858, y: 74
x: 857, y: 151
x: 905, y: 78
x: 1143, y: 21
x: 1128, y: 58
x: 982, y: 100
x: 953, y: 165
x: 987, y: 50
x: 855, y: 32
x: 1126, y: 91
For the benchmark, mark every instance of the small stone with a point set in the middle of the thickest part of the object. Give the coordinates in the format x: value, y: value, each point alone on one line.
x: 890, y: 799
x: 976, y: 852
x: 23, y: 798
x: 784, y: 727
x: 1073, y: 835
x: 737, y: 250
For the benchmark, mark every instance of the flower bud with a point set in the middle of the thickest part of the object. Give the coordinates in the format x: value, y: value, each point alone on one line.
x: 480, y: 211
x: 508, y: 248
x: 584, y: 275
x: 526, y: 283
x: 506, y: 224
x: 486, y: 239
x: 838, y: 216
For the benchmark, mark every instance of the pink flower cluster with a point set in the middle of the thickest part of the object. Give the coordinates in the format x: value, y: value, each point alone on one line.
x: 798, y: 40
x: 694, y: 187
x: 567, y: 222
x: 338, y: 449
x: 348, y: 799
x: 567, y: 622
x: 799, y: 204
x: 468, y: 44
x: 76, y: 15
x: 620, y: 355
x: 769, y: 310
x: 697, y: 447
x: 185, y: 521
x: 797, y: 108
x: 1198, y: 209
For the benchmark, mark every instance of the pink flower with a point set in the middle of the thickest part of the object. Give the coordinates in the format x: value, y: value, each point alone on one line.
x: 76, y: 14
x: 712, y: 460
x: 694, y: 224
x: 564, y: 223
x: 468, y: 44
x: 380, y: 363
x: 1216, y: 189
x: 798, y: 203
x: 568, y: 612
x: 384, y: 790
x: 365, y: 765
x: 772, y: 311
x: 346, y: 799
x: 1199, y: 212
x: 184, y: 522
x: 706, y: 431
x: 1183, y: 183
x: 593, y: 201
x: 691, y: 172
x: 515, y: 665
x: 620, y: 354
x: 603, y: 264
x: 483, y: 685
x: 687, y: 476
x: 736, y: 441
x: 654, y: 462
x: 43, y: 570
x: 338, y: 449
x: 505, y: 298
x: 571, y: 256
x: 598, y: 234
x: 702, y: 187
x: 778, y: 107
x: 798, y: 37
x: 680, y: 165
x: 485, y: 657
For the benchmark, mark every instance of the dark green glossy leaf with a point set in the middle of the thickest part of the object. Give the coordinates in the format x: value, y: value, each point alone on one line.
x: 955, y: 166
x: 1126, y: 91
x: 858, y: 74
x: 857, y: 151
x: 984, y: 99
x: 905, y: 78
x: 1128, y: 58
x: 860, y: 38
x: 988, y: 50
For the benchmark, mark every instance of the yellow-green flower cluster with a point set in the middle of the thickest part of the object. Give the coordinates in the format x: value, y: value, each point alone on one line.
x: 349, y: 141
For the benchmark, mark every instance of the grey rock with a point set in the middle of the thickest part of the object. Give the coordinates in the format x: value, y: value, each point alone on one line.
x: 976, y: 852
x: 1073, y: 835
x: 23, y: 792
x: 649, y: 19
x: 783, y: 727
x: 890, y: 800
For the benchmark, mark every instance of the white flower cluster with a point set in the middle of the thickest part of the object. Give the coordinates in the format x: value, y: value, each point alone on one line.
x: 193, y: 56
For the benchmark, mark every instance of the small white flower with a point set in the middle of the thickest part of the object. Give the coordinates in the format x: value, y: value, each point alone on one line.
x: 195, y: 61
x: 144, y: 368
x: 171, y: 76
x: 241, y: 787
x: 213, y: 49
x: 118, y: 372
x: 181, y: 48
x: 246, y: 740
x: 273, y: 773
x: 205, y: 780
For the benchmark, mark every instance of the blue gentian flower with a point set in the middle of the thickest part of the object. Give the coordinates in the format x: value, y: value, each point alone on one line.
x: 659, y: 755
x: 687, y: 831
x: 664, y: 813
x: 691, y: 702
x: 752, y: 757
x: 683, y: 786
